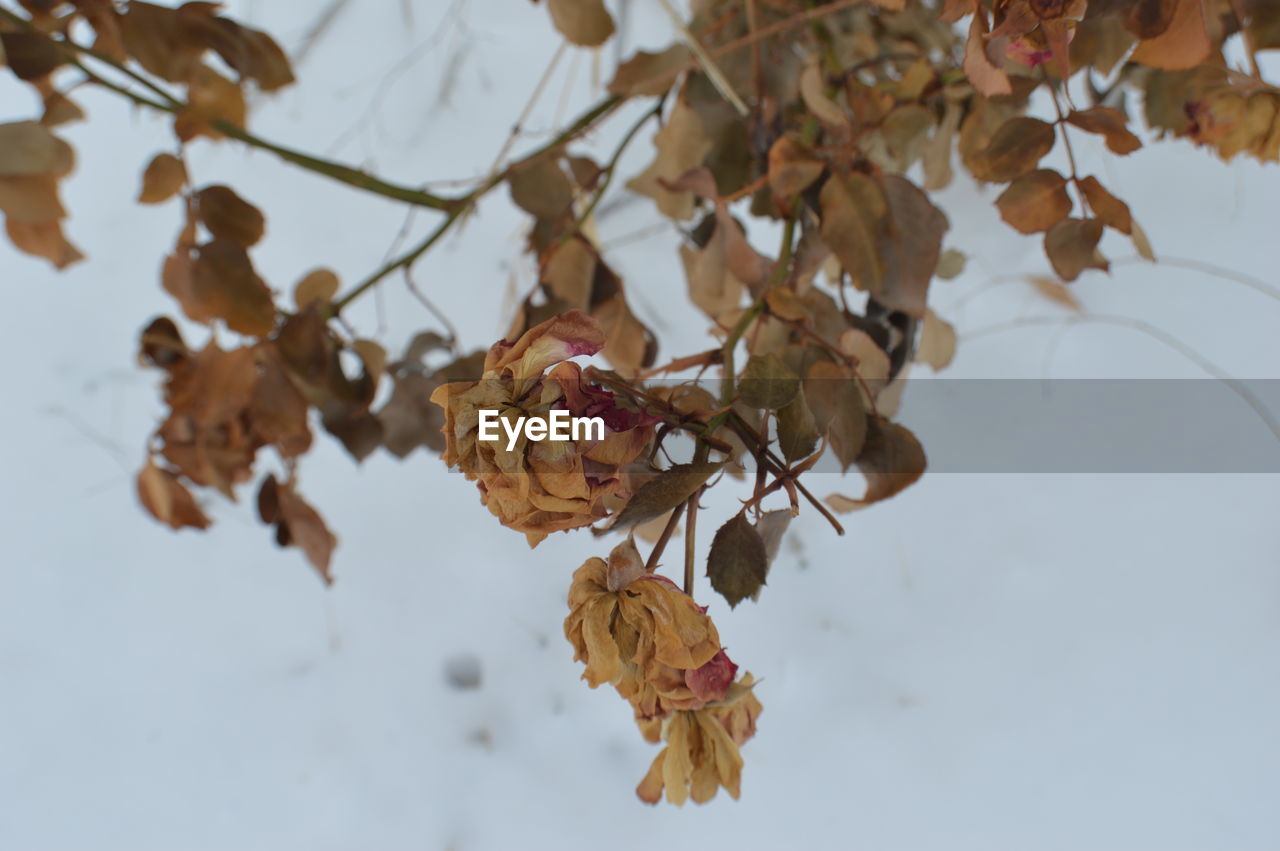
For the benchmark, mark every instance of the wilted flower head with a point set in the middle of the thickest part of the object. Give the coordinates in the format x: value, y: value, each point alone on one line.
x: 539, y: 487
x: 702, y: 749
x: 641, y: 633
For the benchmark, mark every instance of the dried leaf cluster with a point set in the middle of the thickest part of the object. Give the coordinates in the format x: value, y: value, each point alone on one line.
x: 839, y: 121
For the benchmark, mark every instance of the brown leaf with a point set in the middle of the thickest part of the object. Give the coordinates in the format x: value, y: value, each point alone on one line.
x: 1183, y: 44
x: 1150, y: 18
x: 892, y: 460
x: 228, y: 216
x: 297, y: 524
x: 541, y: 187
x: 251, y: 53
x: 737, y: 563
x: 669, y: 489
x: 1111, y: 124
x: 569, y: 272
x: 167, y: 499
x: 909, y: 243
x: 1035, y: 202
x: 60, y: 109
x: 318, y: 286
x: 1072, y: 247
x: 30, y: 55
x: 1014, y: 150
x: 813, y: 92
x: 27, y: 149
x: 161, y: 344
x: 951, y: 264
x: 937, y: 342
x: 681, y: 145
x: 157, y: 37
x: 277, y: 410
x: 838, y: 408
x: 1055, y: 292
x: 988, y: 78
x: 163, y: 178
x: 583, y: 22
x: 853, y: 211
x: 767, y: 382
x: 712, y: 286
x: 793, y: 168
x: 649, y: 74
x: 1113, y: 212
x: 43, y: 240
x: 31, y: 200
x: 211, y: 99
x: 224, y: 285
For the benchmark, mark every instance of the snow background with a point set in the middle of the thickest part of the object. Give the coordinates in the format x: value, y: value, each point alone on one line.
x: 998, y: 661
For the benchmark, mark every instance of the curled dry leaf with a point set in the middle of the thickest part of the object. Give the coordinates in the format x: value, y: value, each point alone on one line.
x: 987, y: 77
x: 163, y: 178
x: 892, y: 459
x: 1035, y: 202
x: 813, y: 92
x: 167, y: 499
x: 297, y: 524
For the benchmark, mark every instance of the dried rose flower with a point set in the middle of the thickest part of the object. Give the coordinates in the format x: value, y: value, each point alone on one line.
x: 539, y: 487
x: 702, y: 752
x: 641, y: 633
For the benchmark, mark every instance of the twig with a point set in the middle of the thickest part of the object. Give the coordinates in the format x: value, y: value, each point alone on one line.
x: 690, y: 526
x: 581, y: 125
x: 612, y: 166
x: 656, y: 553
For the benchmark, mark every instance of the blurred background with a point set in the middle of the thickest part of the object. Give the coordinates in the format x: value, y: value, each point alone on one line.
x: 986, y: 661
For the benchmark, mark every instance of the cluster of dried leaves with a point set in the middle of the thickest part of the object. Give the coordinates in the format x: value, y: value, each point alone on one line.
x: 838, y: 120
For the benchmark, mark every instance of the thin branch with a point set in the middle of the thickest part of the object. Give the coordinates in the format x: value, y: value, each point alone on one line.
x: 612, y: 166
x: 580, y: 126
x: 690, y: 542
x: 656, y: 553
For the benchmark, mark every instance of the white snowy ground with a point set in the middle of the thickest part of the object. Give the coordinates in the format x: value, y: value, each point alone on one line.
x: 986, y: 662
